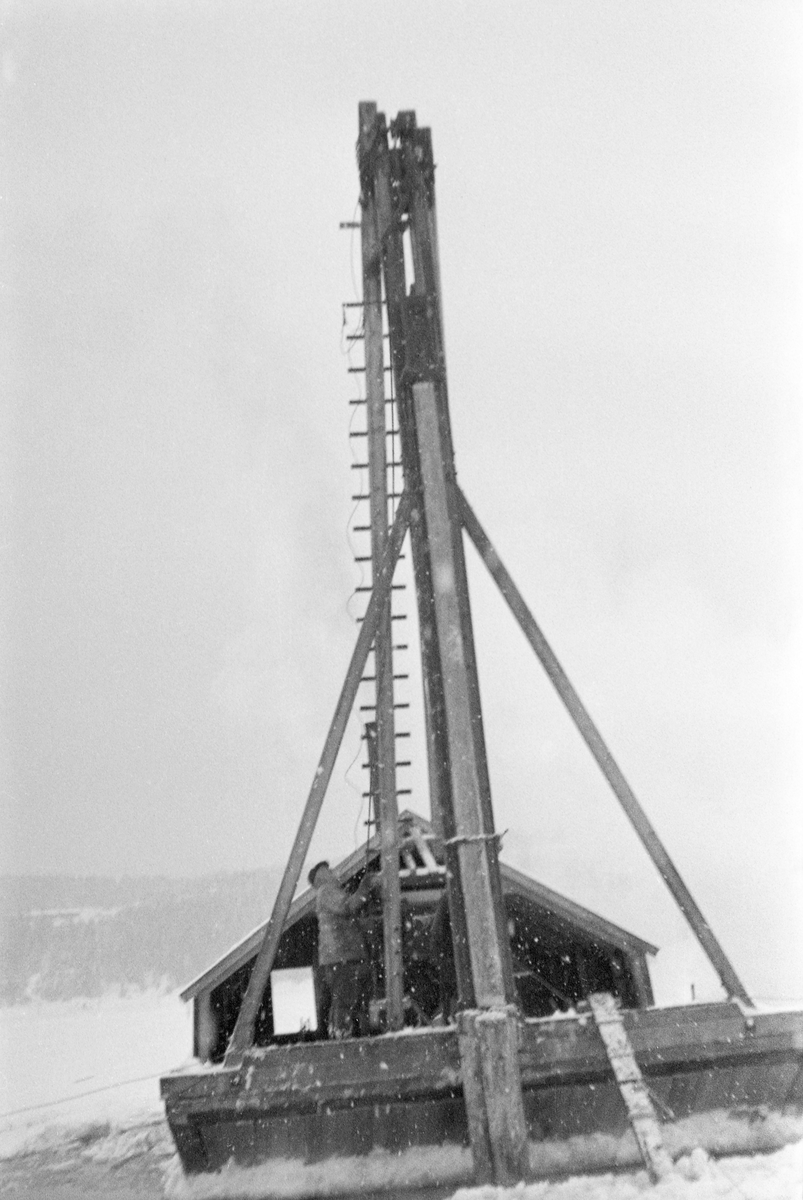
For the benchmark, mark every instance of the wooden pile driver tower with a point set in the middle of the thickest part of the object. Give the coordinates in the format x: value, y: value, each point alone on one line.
x: 398, y: 206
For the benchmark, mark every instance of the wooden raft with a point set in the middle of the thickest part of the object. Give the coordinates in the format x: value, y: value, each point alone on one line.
x: 732, y: 1081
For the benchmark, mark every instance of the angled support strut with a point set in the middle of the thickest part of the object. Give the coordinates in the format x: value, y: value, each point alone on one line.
x: 605, y: 760
x: 243, y: 1034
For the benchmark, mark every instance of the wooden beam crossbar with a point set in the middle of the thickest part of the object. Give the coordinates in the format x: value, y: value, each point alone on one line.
x: 243, y: 1034
x: 605, y: 760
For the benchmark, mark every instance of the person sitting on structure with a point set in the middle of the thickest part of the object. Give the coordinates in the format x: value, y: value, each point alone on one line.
x: 342, y: 952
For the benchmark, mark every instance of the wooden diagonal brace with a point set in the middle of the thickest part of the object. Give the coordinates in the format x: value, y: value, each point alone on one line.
x: 605, y: 760
x: 243, y: 1035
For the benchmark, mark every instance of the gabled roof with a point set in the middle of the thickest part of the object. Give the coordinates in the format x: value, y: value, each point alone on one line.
x: 415, y: 842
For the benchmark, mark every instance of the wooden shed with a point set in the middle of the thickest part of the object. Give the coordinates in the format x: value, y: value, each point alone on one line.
x: 561, y: 951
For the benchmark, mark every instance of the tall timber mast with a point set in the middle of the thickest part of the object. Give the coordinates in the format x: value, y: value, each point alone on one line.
x: 504, y: 1088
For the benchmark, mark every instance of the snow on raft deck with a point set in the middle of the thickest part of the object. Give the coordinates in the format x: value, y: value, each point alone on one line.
x: 329, y: 1118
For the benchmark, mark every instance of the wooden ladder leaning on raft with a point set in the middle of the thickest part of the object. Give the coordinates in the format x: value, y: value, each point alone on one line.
x: 630, y: 1081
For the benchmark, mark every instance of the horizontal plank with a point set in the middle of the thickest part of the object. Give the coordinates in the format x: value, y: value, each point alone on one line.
x: 553, y: 1051
x: 403, y: 1091
x: 368, y: 1069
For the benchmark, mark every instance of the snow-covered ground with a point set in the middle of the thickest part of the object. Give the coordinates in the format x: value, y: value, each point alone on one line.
x: 72, y: 1063
x: 777, y: 1176
x: 83, y: 1075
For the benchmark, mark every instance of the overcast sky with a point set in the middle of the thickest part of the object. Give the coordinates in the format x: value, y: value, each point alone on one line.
x: 619, y: 190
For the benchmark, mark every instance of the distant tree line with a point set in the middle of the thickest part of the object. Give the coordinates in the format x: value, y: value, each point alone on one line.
x: 63, y: 937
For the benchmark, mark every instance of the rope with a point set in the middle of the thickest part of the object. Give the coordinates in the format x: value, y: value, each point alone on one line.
x: 109, y: 1087
x: 462, y: 839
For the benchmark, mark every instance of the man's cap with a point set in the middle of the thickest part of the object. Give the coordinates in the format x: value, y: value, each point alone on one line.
x: 311, y: 875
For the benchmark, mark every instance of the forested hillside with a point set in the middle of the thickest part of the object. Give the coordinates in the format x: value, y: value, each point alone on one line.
x: 62, y: 937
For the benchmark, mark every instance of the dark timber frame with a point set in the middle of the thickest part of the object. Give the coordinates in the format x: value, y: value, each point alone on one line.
x: 397, y: 194
x: 385, y: 747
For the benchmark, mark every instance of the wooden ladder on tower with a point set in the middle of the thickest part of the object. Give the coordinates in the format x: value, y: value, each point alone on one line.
x: 379, y: 459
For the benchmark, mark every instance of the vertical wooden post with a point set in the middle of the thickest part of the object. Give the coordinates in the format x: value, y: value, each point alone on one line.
x: 376, y: 176
x: 205, y: 1026
x: 382, y: 179
x: 402, y: 181
x: 383, y: 646
x: 489, y: 1065
x: 486, y: 949
x: 474, y: 1096
x: 373, y: 773
x: 641, y: 980
x: 419, y: 178
x: 498, y: 1034
x: 489, y: 1039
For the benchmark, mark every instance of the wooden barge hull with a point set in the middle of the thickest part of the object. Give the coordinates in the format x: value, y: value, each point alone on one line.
x: 329, y: 1118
